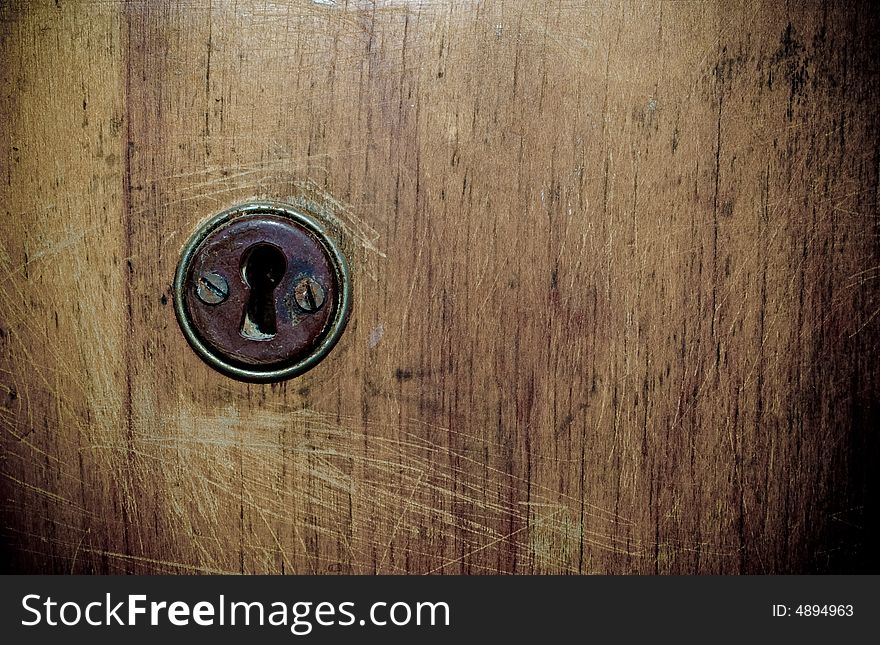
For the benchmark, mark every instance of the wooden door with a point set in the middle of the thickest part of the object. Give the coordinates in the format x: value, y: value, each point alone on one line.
x: 616, y: 276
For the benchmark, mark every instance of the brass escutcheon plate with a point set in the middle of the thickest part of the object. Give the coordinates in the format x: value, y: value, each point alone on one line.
x: 261, y: 292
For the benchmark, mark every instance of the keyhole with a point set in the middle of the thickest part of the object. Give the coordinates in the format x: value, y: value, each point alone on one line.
x: 263, y: 267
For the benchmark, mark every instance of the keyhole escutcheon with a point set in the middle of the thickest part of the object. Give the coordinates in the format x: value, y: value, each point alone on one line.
x: 262, y: 292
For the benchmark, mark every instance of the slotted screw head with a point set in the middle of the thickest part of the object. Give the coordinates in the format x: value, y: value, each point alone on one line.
x: 212, y: 288
x: 309, y: 295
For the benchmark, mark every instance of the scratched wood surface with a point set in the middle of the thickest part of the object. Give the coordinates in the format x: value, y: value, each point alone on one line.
x: 617, y: 286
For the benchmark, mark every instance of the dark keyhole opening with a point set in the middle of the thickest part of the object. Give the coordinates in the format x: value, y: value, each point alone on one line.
x: 263, y: 267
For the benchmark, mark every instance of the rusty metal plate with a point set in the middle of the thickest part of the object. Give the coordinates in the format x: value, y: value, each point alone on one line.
x: 262, y: 293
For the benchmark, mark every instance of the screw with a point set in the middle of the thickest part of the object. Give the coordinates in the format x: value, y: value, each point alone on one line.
x: 309, y: 295
x: 212, y: 288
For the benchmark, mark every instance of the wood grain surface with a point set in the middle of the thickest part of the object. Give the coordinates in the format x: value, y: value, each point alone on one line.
x: 616, y: 286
